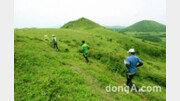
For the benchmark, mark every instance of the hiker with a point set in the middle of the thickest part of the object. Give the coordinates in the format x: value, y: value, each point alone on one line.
x: 131, y: 64
x: 46, y: 38
x: 85, y: 49
x: 55, y: 42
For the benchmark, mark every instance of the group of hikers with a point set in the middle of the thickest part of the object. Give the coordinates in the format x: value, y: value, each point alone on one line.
x: 85, y: 47
x: 131, y: 62
x: 54, y: 40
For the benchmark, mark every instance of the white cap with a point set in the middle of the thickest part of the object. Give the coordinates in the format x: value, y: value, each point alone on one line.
x: 53, y: 35
x: 131, y: 51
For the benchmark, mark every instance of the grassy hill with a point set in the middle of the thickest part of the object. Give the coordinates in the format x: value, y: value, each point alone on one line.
x: 145, y: 26
x: 81, y: 24
x: 41, y: 73
x: 146, y: 30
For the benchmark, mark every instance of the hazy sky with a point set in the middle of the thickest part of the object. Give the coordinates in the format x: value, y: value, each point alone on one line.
x: 50, y: 13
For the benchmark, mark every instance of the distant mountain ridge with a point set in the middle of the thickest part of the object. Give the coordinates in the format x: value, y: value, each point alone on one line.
x: 115, y: 27
x: 141, y: 26
x: 145, y: 26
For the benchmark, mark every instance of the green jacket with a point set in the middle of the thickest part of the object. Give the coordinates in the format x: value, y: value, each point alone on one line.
x: 85, y: 49
x: 54, y: 40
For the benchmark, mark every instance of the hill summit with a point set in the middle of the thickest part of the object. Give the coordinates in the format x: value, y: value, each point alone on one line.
x: 145, y: 26
x: 81, y: 23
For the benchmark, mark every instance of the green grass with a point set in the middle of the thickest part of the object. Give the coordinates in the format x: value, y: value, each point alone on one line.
x: 41, y: 73
x: 157, y: 37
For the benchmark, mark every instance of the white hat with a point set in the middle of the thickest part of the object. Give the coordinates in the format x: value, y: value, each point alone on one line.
x: 131, y: 51
x: 53, y: 35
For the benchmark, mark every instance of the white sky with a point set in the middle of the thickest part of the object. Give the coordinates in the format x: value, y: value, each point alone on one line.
x: 53, y: 13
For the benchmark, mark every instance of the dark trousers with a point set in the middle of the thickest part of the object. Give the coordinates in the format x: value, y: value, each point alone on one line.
x: 85, y: 56
x: 55, y: 46
x: 129, y: 79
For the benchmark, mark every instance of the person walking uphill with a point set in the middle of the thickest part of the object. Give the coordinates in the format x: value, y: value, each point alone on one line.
x: 85, y: 49
x: 46, y: 38
x: 131, y: 64
x: 55, y: 42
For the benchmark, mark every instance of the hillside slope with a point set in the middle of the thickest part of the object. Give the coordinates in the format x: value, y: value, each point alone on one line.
x: 145, y: 26
x: 41, y: 73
